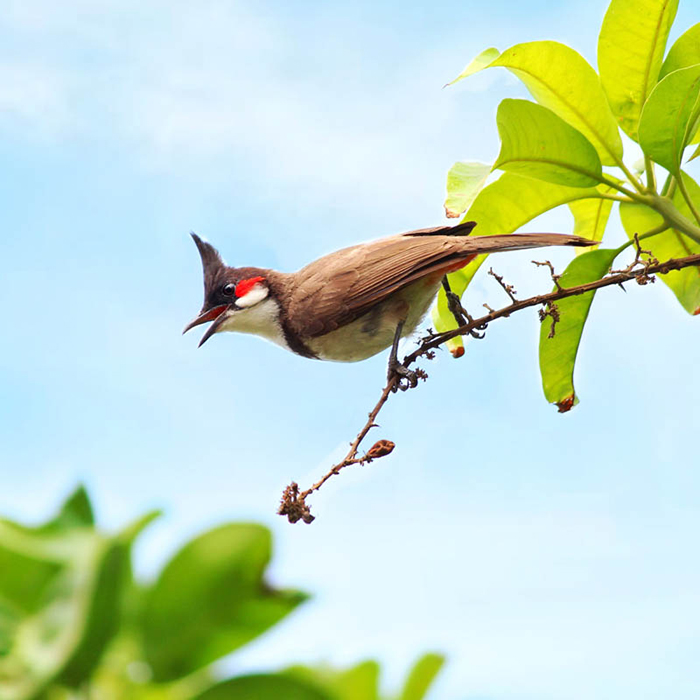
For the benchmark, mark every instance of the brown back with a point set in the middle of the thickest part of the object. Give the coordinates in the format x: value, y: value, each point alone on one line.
x: 338, y: 288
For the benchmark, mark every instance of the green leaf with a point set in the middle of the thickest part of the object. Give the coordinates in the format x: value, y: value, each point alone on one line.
x: 670, y: 117
x: 591, y: 217
x: 630, y: 52
x: 75, y: 512
x: 560, y: 79
x: 264, y: 687
x: 464, y: 182
x: 503, y: 207
x: 637, y: 218
x: 558, y: 354
x: 421, y: 677
x: 100, y: 611
x: 27, y: 576
x: 684, y: 53
x: 211, y: 599
x: 696, y: 153
x: 75, y: 614
x: 359, y: 682
x: 537, y: 143
x: 483, y: 60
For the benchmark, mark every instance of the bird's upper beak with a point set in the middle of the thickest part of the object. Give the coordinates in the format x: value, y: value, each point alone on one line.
x: 216, y: 315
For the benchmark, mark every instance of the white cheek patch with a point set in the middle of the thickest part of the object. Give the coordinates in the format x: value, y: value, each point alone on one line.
x: 253, y: 297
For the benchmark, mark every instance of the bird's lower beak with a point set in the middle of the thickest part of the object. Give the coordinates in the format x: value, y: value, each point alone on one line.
x: 214, y: 314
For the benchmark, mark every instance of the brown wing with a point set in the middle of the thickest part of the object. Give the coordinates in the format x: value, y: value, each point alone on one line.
x: 338, y: 288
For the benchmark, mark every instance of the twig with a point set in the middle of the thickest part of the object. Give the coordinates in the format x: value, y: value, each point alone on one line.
x: 551, y: 310
x: 507, y: 288
x: 643, y: 276
x: 555, y: 277
x: 293, y: 501
x: 617, y: 278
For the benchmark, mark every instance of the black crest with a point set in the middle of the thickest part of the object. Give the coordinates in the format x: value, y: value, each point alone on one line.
x: 212, y: 263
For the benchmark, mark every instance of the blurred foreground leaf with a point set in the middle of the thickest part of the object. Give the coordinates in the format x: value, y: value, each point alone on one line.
x: 211, y: 599
x: 421, y: 677
x: 264, y: 687
x: 359, y: 682
x: 63, y: 586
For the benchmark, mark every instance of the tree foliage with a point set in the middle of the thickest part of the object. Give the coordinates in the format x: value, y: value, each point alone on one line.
x: 566, y: 148
x: 75, y: 623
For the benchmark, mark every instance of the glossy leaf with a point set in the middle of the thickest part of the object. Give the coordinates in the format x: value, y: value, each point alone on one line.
x: 264, y: 687
x: 637, y: 218
x: 464, y: 182
x: 560, y: 79
x: 558, y: 354
x: 670, y: 117
x: 503, y: 207
x: 421, y: 677
x: 483, y: 60
x: 537, y: 143
x: 630, y: 53
x: 211, y: 599
x: 591, y: 217
x: 684, y: 53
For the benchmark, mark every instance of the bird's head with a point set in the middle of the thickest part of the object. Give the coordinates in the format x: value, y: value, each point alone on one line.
x: 229, y: 292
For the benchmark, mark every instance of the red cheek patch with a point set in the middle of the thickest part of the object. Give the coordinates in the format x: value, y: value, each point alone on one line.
x: 244, y: 286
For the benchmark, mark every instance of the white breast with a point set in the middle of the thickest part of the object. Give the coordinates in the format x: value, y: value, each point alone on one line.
x: 261, y: 319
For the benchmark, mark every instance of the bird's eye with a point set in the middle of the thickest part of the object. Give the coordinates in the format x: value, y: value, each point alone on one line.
x: 229, y: 290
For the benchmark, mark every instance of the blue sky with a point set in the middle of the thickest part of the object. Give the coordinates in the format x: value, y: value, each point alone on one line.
x: 549, y: 556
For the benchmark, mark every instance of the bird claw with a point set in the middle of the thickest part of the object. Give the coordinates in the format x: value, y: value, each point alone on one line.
x: 403, y: 373
x: 454, y: 304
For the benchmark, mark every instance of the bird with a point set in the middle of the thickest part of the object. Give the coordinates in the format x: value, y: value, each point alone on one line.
x: 353, y: 303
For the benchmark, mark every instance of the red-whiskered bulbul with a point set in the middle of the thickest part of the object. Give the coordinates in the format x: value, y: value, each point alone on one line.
x: 351, y: 304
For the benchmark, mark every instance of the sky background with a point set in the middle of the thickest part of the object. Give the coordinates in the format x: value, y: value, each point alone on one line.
x: 549, y: 556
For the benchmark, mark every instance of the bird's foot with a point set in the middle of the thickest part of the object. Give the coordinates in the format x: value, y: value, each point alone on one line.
x: 407, y: 378
x: 454, y: 304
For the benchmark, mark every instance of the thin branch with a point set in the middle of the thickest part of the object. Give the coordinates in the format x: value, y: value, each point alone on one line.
x: 294, y: 504
x: 553, y: 275
x: 507, y: 288
x: 660, y: 268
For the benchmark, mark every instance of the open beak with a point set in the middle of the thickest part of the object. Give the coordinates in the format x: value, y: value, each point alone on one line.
x: 215, y: 314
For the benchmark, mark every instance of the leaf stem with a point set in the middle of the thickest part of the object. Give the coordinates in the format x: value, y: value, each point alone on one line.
x: 673, y: 183
x: 647, y: 234
x: 612, y: 197
x: 672, y: 217
x: 628, y: 174
x: 651, y: 178
x: 632, y: 195
x: 686, y: 196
